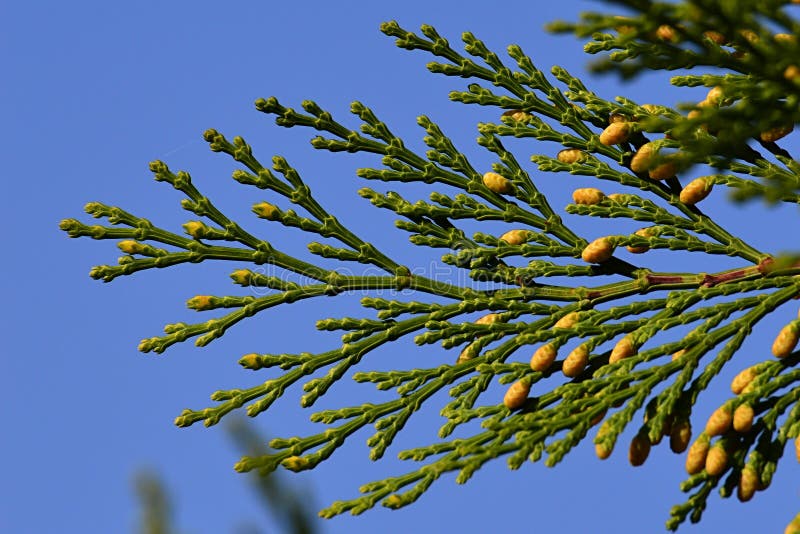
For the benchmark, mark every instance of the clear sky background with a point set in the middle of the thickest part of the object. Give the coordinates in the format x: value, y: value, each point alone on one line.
x: 93, y: 91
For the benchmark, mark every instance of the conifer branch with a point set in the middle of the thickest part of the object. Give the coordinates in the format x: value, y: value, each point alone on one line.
x: 609, y: 339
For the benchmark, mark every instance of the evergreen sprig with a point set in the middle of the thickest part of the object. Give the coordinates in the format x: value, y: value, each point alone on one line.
x: 598, y: 350
x: 745, y: 51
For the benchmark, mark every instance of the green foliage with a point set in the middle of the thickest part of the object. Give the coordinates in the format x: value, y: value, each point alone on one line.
x: 615, y: 335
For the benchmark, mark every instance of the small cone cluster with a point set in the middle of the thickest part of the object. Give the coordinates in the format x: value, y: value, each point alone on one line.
x: 576, y: 362
x: 615, y: 133
x: 778, y: 132
x: 643, y: 157
x: 467, y: 354
x: 623, y: 349
x: 639, y: 450
x: 679, y: 436
x: 743, y: 379
x: 663, y: 171
x: 588, y: 196
x: 543, y: 358
x: 720, y: 421
x: 601, y: 450
x: 696, y: 457
x: 515, y: 237
x: 717, y: 459
x: 568, y: 321
x: 641, y: 232
x: 517, y: 394
x: 786, y: 340
x: 743, y: 418
x: 696, y: 190
x: 497, y: 183
x: 748, y: 483
x: 598, y: 251
x: 571, y: 155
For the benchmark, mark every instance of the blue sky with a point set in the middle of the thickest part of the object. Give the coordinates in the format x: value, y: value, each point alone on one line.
x: 96, y: 90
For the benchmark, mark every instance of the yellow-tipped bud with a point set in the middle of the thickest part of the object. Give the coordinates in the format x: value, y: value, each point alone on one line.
x: 497, y: 183
x: 543, y: 358
x: 641, y: 232
x: 129, y: 246
x: 615, y: 133
x: 778, y: 132
x: 717, y: 460
x: 720, y: 421
x: 517, y: 394
x: 748, y: 483
x: 571, y: 155
x: 241, y: 277
x: 786, y: 341
x: 743, y: 418
x: 639, y: 450
x: 650, y: 108
x: 194, y: 228
x: 623, y: 349
x: 598, y: 251
x: 295, y: 463
x: 743, y: 379
x: 643, y: 157
x: 696, y: 190
x: 792, y: 73
x: 568, y: 321
x: 200, y: 303
x: 588, y: 196
x: 576, y: 362
x: 515, y: 237
x: 678, y: 355
x: 265, y: 210
x: 616, y: 197
x: 696, y: 457
x: 786, y: 38
x: 679, y: 436
x: 250, y: 361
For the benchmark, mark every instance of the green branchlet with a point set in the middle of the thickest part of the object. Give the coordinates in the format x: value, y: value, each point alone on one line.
x: 599, y: 351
